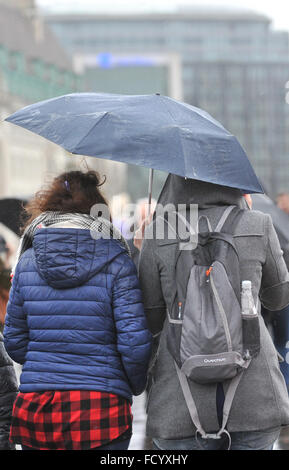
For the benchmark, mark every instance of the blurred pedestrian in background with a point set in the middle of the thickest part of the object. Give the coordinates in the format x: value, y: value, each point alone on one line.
x: 279, y: 322
x: 282, y: 202
x: 8, y: 392
x: 4, y: 252
x: 4, y: 292
x: 118, y: 207
x: 75, y: 321
x: 143, y: 213
x: 4, y: 280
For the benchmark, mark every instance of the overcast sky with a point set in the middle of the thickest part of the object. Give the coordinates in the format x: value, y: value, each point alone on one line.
x: 278, y: 10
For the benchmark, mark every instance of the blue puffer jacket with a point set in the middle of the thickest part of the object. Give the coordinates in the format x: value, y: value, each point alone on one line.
x: 75, y: 317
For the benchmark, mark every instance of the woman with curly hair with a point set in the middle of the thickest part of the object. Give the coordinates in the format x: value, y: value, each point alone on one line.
x: 75, y: 320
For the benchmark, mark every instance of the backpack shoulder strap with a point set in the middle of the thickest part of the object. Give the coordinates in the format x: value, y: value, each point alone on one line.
x: 223, y: 218
x: 205, y: 218
x: 229, y: 220
x: 191, y: 405
x: 221, y: 222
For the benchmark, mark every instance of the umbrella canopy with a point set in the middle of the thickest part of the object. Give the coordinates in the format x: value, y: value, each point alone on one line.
x: 148, y: 130
x: 11, y: 213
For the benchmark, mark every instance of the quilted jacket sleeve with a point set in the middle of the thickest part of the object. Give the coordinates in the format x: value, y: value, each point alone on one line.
x: 15, y: 331
x: 133, y: 337
x: 8, y: 392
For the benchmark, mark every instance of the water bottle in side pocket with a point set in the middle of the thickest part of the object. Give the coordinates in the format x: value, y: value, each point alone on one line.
x: 250, y: 321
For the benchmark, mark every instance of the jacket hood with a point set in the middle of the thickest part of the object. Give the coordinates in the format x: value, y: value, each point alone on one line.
x: 69, y: 257
x: 178, y: 190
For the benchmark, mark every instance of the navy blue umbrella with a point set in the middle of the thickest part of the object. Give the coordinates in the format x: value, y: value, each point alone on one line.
x: 148, y: 130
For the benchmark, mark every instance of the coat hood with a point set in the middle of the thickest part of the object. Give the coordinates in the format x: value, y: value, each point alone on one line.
x: 69, y: 257
x: 178, y: 190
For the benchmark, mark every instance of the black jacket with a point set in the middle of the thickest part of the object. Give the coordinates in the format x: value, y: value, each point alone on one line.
x: 8, y: 392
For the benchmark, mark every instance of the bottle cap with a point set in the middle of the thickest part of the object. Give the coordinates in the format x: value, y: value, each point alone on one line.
x: 246, y: 284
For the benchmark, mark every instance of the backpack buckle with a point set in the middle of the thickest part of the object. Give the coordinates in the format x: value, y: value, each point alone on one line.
x: 212, y: 436
x: 205, y: 436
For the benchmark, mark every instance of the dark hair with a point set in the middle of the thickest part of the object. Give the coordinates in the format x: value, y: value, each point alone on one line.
x: 73, y: 191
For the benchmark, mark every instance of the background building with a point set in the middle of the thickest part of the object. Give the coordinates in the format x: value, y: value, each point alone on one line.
x: 131, y: 73
x: 33, y: 64
x: 233, y: 64
x: 33, y: 67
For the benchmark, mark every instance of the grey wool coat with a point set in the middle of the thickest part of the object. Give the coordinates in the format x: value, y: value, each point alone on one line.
x: 261, y: 401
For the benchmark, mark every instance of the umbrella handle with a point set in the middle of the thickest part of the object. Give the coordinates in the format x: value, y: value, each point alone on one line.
x: 151, y: 177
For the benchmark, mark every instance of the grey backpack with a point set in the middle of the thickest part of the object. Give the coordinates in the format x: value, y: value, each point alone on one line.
x: 208, y: 337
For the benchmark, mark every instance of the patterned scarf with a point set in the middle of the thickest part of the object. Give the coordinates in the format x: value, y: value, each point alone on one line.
x: 99, y: 227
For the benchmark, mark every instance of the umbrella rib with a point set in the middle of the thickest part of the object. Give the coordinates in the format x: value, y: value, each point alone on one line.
x: 90, y: 130
x: 172, y: 117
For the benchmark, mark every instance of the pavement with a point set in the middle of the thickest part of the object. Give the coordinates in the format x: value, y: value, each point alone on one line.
x: 139, y: 440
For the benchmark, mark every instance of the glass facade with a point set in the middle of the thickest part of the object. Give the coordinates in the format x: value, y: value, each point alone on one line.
x: 33, y: 79
x: 235, y: 67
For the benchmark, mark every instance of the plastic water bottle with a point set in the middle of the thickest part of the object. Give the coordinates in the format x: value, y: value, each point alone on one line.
x: 250, y: 322
x: 247, y: 301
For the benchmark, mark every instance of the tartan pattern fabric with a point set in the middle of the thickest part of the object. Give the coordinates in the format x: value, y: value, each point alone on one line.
x: 69, y: 420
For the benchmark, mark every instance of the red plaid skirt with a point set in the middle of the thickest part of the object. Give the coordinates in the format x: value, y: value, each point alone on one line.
x: 69, y: 420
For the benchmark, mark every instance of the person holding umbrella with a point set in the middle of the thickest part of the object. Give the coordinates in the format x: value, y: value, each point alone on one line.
x: 75, y: 321
x: 260, y: 405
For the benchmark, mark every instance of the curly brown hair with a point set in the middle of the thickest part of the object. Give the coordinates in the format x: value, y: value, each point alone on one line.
x: 73, y: 191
